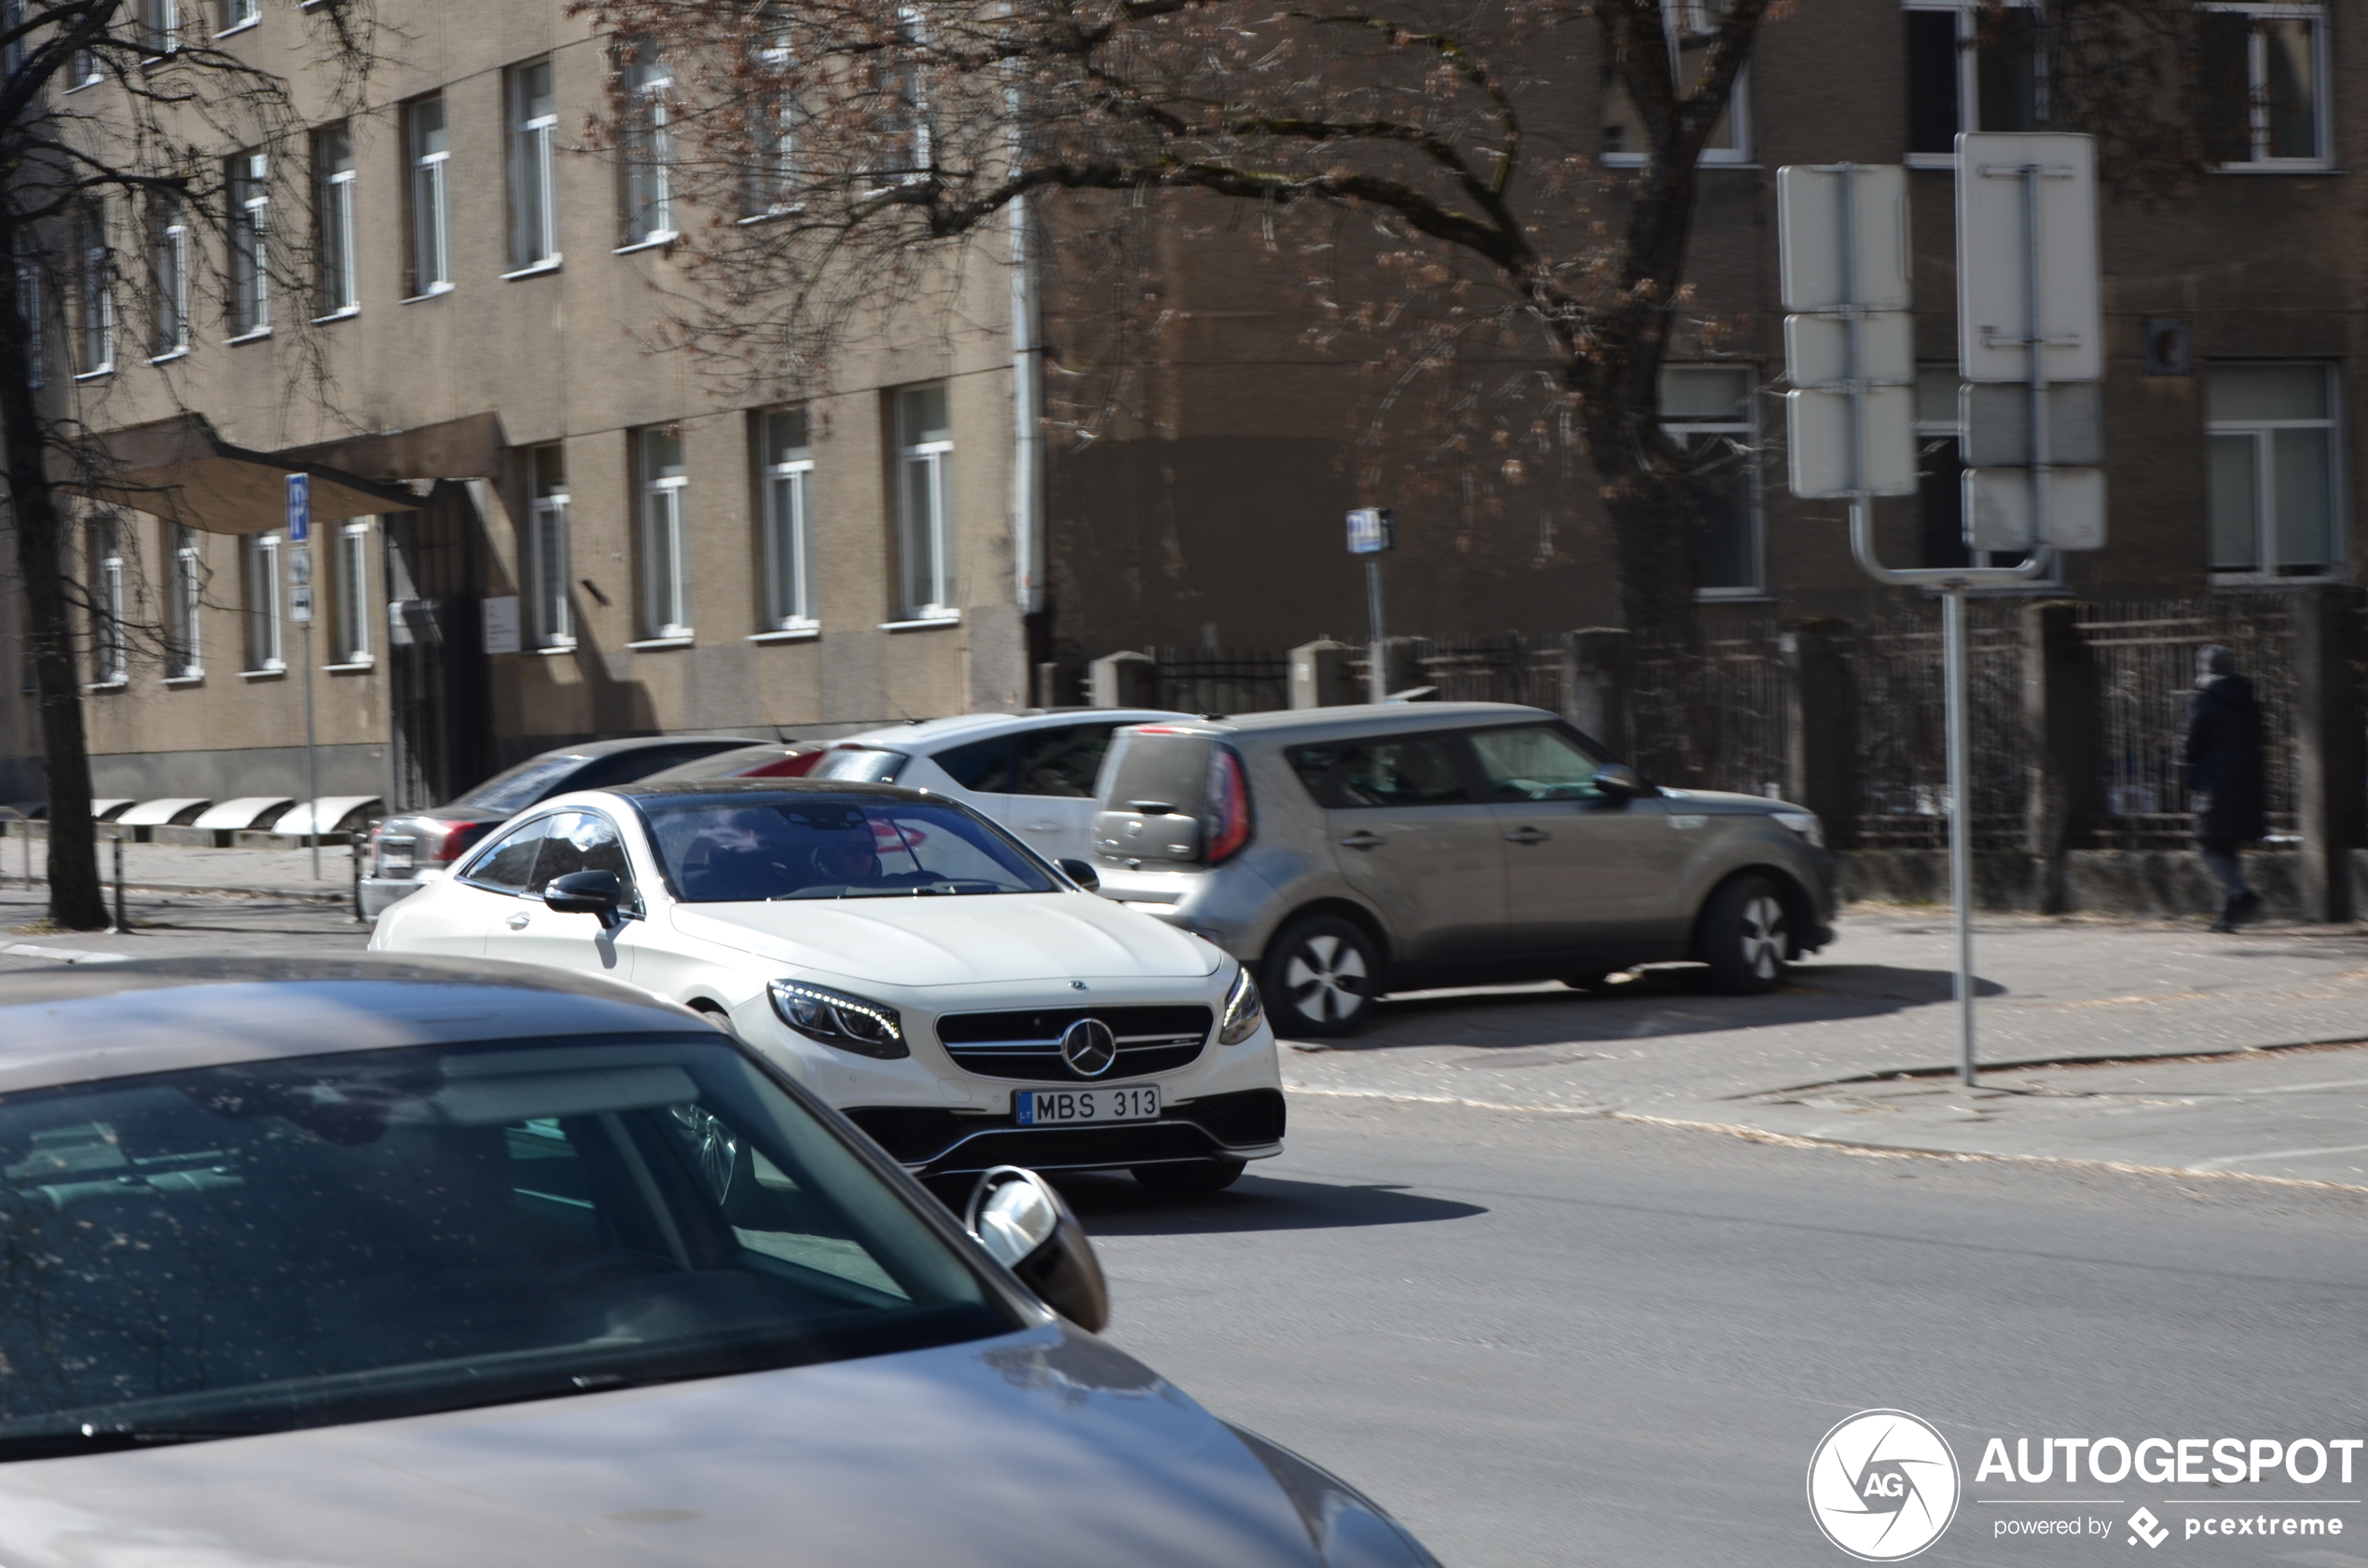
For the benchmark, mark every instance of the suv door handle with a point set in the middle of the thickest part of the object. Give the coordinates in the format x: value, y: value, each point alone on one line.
x: 1526, y: 835
x: 518, y: 922
x: 1363, y: 839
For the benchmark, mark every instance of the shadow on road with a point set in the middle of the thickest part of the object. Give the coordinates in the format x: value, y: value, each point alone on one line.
x: 1116, y: 1206
x: 1674, y: 1000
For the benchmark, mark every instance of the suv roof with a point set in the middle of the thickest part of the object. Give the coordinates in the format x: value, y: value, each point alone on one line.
x: 1364, y: 716
x: 927, y: 732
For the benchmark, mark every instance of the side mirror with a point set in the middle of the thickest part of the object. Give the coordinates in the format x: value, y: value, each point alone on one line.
x: 1023, y: 1223
x: 1620, y: 781
x: 586, y: 892
x: 1082, y: 874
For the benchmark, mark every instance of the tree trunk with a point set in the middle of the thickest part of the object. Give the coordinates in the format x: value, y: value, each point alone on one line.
x: 77, y: 900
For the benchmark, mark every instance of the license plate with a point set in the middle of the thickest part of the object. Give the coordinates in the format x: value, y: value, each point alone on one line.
x: 1047, y: 1107
x: 394, y: 857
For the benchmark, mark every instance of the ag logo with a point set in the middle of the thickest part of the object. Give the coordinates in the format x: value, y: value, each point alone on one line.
x: 1882, y: 1485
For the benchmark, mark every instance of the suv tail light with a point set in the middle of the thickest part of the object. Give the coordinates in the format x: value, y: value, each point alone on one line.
x: 449, y: 841
x: 1227, y: 825
x: 421, y: 841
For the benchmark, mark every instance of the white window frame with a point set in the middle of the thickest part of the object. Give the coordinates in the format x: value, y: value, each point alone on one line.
x: 547, y: 549
x: 249, y: 250
x: 94, y: 322
x: 160, y: 27
x: 84, y: 71
x: 169, y: 265
x: 266, y: 638
x: 1747, y: 432
x: 934, y: 459
x: 648, y: 149
x: 237, y: 16
x: 1968, y: 13
x: 788, y: 516
x: 664, y: 539
x: 2265, y: 486
x: 111, y: 638
x: 430, y: 200
x: 1686, y: 19
x: 773, y: 181
x: 341, y: 286
x: 185, y: 590
x: 2257, y: 86
x: 351, y: 571
x: 531, y: 148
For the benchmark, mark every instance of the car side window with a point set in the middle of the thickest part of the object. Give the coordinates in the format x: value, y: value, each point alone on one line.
x: 984, y: 766
x: 506, y: 865
x: 581, y: 841
x: 1535, y: 762
x: 1061, y: 762
x: 1380, y: 771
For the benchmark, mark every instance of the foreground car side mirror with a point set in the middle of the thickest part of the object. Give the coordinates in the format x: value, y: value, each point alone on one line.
x: 1082, y: 874
x: 586, y: 892
x: 1023, y: 1223
x: 1622, y: 783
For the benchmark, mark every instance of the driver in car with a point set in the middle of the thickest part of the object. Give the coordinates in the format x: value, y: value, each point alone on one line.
x: 849, y: 858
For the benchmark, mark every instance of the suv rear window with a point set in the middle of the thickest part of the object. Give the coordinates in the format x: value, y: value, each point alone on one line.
x: 1169, y: 766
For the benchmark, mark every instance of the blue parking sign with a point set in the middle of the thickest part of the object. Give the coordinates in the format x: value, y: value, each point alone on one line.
x: 1368, y: 530
x: 299, y: 507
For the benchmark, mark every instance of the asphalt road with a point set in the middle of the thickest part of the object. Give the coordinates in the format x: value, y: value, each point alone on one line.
x: 1567, y: 1339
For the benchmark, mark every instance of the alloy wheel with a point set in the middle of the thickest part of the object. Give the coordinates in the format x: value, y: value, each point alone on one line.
x: 1327, y: 979
x: 1763, y: 935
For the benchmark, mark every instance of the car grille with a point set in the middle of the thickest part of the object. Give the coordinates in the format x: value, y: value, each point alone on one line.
x: 1028, y: 1044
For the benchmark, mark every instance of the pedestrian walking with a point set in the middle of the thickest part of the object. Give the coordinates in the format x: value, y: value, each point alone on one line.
x: 2223, y: 765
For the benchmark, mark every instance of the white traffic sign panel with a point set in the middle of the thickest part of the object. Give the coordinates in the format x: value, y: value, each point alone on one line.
x: 1818, y: 425
x: 1999, y: 510
x: 2003, y: 179
x: 1996, y: 417
x: 300, y: 602
x: 1369, y: 531
x: 1817, y: 350
x: 1811, y: 218
x: 299, y: 507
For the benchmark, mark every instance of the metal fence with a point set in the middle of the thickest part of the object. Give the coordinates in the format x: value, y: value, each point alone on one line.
x: 1716, y: 717
x: 1222, y: 679
x: 1897, y: 680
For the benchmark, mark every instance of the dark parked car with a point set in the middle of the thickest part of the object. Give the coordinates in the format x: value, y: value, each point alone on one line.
x: 785, y: 759
x: 432, y: 839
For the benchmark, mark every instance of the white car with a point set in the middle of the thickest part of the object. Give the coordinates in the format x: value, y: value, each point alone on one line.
x: 958, y: 998
x: 1032, y: 772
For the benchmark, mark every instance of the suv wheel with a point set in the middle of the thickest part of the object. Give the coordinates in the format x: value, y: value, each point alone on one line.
x: 1190, y: 1176
x: 1322, y: 977
x: 1746, y: 933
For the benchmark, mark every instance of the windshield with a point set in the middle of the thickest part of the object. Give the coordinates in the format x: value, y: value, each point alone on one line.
x: 732, y: 851
x: 522, y: 786
x: 232, y: 1250
x: 861, y: 764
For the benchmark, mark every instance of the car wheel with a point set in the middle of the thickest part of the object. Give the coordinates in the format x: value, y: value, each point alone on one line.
x: 1746, y: 933
x: 1191, y: 1175
x: 716, y: 1016
x: 1322, y: 977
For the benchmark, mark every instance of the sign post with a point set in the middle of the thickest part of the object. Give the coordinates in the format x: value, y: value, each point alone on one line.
x: 300, y: 612
x: 1843, y: 235
x: 1370, y: 533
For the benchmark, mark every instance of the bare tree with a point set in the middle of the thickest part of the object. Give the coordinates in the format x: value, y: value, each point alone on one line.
x: 151, y: 179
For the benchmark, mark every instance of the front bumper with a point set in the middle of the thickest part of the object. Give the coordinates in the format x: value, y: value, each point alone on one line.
x: 1247, y: 1124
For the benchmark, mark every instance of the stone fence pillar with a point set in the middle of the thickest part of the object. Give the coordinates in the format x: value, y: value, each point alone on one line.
x: 1596, y: 685
x: 1320, y: 676
x: 1821, y: 752
x: 1124, y: 680
x: 2331, y: 754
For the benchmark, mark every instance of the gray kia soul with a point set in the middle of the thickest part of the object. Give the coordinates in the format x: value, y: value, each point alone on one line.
x: 1345, y: 852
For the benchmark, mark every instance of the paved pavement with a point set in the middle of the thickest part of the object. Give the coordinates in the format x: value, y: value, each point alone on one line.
x: 176, y: 925
x: 1550, y: 1340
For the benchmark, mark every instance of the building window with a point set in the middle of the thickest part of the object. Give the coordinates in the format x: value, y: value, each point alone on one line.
x: 431, y: 251
x: 666, y: 595
x: 925, y: 513
x: 787, y: 478
x: 84, y: 70
x: 249, y: 255
x: 350, y: 570
x: 160, y: 27
x: 110, y: 633
x: 1940, y: 468
x: 94, y: 292
x: 239, y: 13
x: 534, y: 120
x: 183, y: 592
x: 1708, y: 411
x: 644, y: 148
x: 2271, y: 470
x: 333, y: 201
x: 260, y: 563
x: 28, y: 305
x: 169, y: 266
x: 1690, y: 26
x: 12, y: 52
x: 547, y: 550
x: 772, y: 178
x: 1970, y: 69
x: 2264, y: 106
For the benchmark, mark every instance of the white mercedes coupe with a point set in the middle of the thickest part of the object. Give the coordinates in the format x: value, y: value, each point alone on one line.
x: 961, y: 999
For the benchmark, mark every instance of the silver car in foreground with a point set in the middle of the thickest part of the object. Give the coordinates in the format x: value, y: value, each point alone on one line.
x: 404, y: 1265
x: 1345, y: 852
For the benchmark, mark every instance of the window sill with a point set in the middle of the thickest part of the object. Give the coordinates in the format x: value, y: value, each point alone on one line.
x: 263, y: 674
x: 2253, y: 582
x: 237, y: 27
x: 86, y: 82
x: 169, y: 356
x: 651, y: 644
x: 343, y: 312
x: 772, y: 214
x: 355, y: 666
x: 1733, y: 596
x: 550, y: 650
x: 550, y: 264
x: 2278, y: 166
x: 787, y: 634
x: 1932, y: 161
x: 116, y: 685
x: 1637, y: 161
x: 654, y: 241
x: 257, y: 336
x: 99, y: 374
x: 923, y: 622
x: 196, y: 679
x: 436, y: 290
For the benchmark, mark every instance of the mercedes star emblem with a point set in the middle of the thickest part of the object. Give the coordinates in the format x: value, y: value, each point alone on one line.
x: 1088, y: 1047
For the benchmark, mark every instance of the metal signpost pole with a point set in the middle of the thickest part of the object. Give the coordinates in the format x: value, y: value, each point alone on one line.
x: 300, y: 610
x: 1368, y: 535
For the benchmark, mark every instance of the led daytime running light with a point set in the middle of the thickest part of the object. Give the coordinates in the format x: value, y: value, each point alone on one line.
x: 837, y: 1019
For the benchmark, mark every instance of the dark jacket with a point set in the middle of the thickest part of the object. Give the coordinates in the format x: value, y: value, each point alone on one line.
x: 2223, y: 759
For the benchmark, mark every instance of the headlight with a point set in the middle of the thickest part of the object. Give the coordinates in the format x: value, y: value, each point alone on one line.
x: 1242, y: 1011
x: 1804, y: 823
x: 835, y: 1018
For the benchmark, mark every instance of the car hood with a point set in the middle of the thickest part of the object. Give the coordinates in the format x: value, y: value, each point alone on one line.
x: 1045, y: 1447
x: 957, y: 941
x: 1725, y: 803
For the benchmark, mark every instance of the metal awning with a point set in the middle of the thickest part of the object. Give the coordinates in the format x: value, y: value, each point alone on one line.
x: 181, y: 470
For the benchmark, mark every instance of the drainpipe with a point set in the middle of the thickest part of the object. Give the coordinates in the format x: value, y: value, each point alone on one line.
x: 1027, y: 417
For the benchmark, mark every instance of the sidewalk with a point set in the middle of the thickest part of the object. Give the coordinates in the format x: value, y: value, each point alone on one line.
x: 175, y: 868
x: 2193, y: 1025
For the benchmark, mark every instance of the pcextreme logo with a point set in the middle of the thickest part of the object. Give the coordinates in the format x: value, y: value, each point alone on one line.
x: 1882, y: 1485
